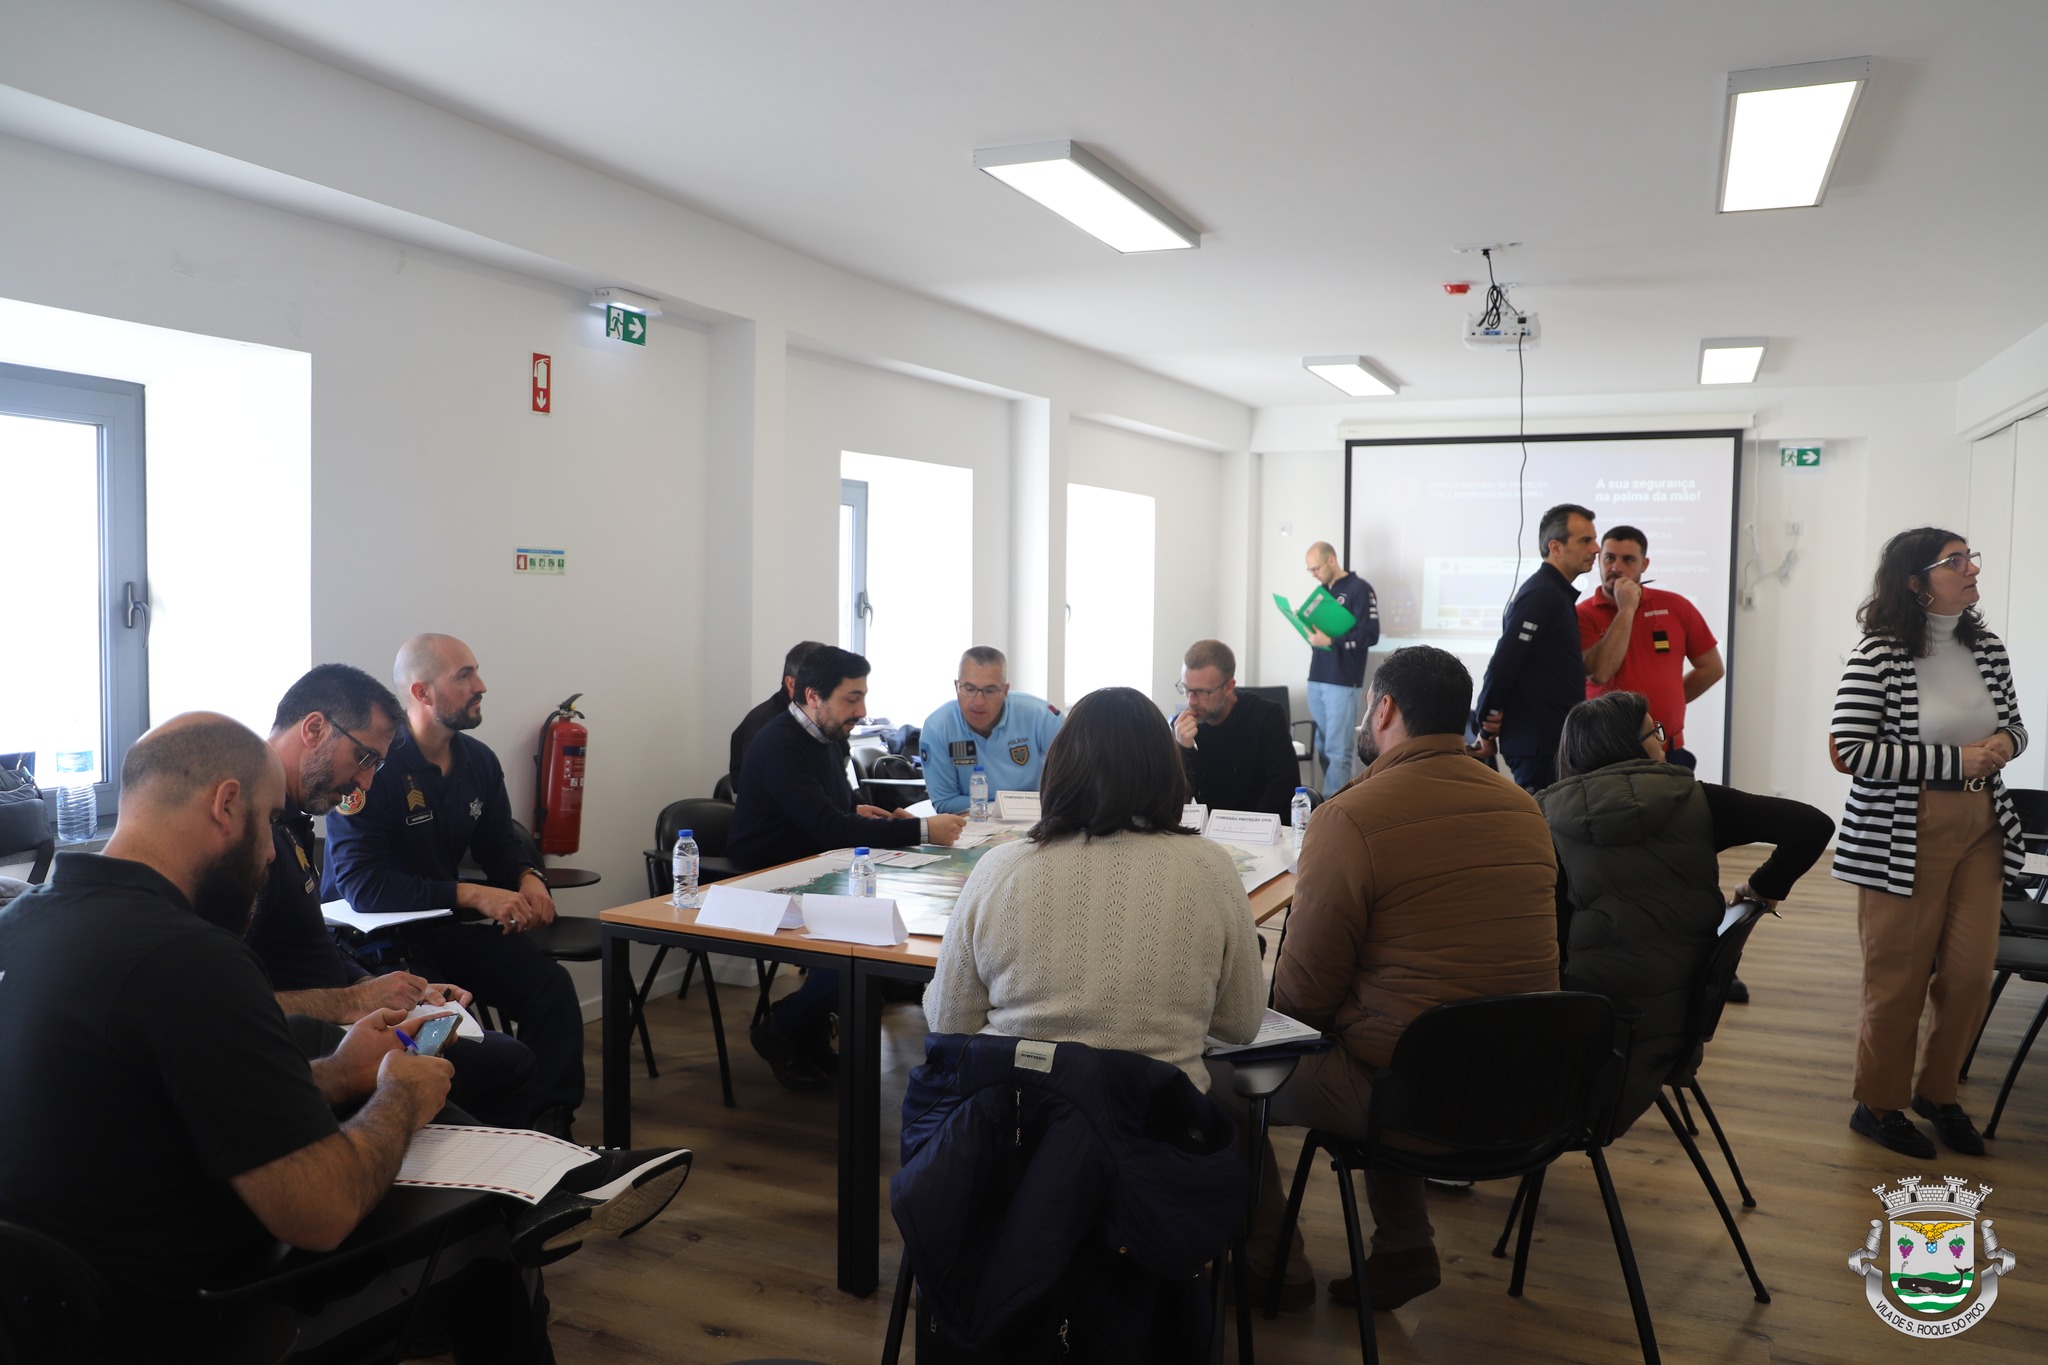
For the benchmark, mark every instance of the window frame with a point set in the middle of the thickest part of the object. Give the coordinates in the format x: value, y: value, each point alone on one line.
x: 116, y: 408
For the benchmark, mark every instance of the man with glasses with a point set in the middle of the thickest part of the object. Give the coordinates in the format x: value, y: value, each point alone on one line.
x: 333, y: 731
x: 1234, y: 745
x: 401, y: 849
x: 986, y: 724
x: 1641, y: 639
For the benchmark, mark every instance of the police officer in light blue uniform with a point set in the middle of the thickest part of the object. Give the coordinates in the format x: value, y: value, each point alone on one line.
x: 1005, y: 733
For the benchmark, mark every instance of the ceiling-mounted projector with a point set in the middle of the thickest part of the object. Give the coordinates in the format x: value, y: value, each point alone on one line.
x: 1513, y: 329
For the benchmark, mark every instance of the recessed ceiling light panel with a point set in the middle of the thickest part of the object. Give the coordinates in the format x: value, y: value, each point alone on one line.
x: 1077, y: 185
x: 1351, y: 373
x: 1785, y: 128
x: 1731, y: 360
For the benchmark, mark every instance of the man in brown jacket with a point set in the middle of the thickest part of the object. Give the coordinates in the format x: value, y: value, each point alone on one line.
x: 1430, y: 879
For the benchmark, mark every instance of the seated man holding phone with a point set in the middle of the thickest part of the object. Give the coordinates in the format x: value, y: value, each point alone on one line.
x: 223, y: 1134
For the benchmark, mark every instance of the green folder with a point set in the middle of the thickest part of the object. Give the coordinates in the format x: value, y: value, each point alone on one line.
x: 1321, y: 610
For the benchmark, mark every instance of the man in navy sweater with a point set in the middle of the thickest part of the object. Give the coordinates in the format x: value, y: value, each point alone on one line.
x: 442, y: 795
x: 794, y: 802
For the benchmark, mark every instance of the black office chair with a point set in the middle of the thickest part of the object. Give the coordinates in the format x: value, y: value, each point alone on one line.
x: 1502, y: 1086
x: 2022, y: 915
x: 25, y: 828
x: 709, y: 820
x: 1304, y: 751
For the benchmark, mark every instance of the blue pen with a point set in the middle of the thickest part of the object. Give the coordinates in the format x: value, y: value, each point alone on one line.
x: 406, y: 1039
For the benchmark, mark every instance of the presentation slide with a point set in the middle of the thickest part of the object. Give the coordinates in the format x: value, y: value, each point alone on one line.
x: 1432, y: 526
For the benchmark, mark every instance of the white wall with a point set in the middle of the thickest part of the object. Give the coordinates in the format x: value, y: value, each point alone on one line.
x: 1187, y: 484
x: 2008, y: 479
x: 1893, y: 459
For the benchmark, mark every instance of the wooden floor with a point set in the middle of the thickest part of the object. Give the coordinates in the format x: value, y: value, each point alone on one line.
x: 741, y: 1265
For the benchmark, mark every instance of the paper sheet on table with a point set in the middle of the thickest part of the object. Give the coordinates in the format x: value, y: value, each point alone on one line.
x: 853, y: 919
x: 468, y: 1028
x: 348, y: 917
x: 973, y: 835
x: 923, y: 810
x: 514, y: 1161
x: 1275, y: 1028
x: 925, y: 923
x: 903, y: 857
x: 1256, y: 864
x: 2035, y: 865
x: 727, y: 906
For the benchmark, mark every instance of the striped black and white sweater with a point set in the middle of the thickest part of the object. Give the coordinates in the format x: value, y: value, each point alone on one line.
x: 1876, y: 733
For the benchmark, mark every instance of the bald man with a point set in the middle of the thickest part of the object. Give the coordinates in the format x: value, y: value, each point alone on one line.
x: 163, y: 1124
x: 441, y: 795
x: 1336, y: 666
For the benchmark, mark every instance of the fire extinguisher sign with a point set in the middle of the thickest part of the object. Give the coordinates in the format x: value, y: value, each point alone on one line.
x: 543, y: 383
x: 540, y: 561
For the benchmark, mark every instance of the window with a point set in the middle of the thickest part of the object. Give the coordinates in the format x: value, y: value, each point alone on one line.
x: 907, y: 578
x: 71, y: 477
x: 853, y: 565
x: 1109, y: 590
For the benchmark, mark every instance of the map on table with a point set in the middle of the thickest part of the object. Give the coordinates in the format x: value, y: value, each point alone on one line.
x: 924, y: 894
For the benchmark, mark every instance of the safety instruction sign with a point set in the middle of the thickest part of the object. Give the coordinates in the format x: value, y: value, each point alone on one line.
x: 540, y: 561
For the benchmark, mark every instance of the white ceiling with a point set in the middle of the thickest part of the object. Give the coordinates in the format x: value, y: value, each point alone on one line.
x: 1332, y: 152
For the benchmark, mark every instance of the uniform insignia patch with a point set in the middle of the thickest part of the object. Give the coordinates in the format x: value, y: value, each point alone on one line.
x: 1020, y: 752
x: 1661, y: 641
x: 476, y: 808
x: 415, y: 799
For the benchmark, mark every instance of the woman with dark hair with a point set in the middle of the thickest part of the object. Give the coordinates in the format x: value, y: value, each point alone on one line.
x: 1639, y: 893
x: 1107, y: 924
x: 1924, y: 719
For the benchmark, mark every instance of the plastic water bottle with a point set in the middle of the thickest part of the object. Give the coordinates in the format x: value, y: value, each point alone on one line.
x: 863, y: 873
x: 684, y: 865
x: 78, y: 806
x: 1298, y: 817
x: 977, y: 794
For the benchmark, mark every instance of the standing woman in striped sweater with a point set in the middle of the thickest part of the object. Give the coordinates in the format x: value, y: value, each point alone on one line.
x: 1924, y: 719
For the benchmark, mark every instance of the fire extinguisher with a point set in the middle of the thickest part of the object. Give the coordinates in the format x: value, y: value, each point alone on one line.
x: 558, y: 785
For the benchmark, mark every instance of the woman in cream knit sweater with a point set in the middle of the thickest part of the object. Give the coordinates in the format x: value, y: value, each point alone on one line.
x: 1109, y: 924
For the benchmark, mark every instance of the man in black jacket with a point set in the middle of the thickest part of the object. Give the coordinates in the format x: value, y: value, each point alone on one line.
x: 794, y: 802
x: 1234, y: 745
x: 757, y: 719
x: 1538, y: 672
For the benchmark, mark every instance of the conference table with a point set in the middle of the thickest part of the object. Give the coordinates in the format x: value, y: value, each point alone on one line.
x: 862, y: 969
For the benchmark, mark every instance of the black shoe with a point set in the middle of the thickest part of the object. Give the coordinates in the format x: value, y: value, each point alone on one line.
x: 1391, y: 1279
x: 614, y: 1194
x: 1893, y: 1130
x: 1952, y: 1126
x: 1738, y: 994
x: 786, y: 1058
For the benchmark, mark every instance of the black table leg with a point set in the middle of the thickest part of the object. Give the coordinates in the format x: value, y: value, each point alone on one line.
x: 860, y: 1119
x: 616, y: 1049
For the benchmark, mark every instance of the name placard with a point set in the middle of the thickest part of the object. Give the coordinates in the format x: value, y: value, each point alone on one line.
x: 1194, y: 816
x: 755, y: 912
x: 1244, y: 826
x: 1017, y: 807
x: 854, y: 919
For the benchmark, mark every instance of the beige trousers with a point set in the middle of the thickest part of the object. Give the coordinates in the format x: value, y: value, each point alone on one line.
x: 1936, y: 946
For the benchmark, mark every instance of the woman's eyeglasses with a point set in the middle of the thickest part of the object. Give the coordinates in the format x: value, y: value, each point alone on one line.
x: 1657, y: 729
x: 1958, y: 561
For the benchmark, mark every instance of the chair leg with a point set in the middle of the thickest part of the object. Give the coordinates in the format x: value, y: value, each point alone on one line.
x: 640, y: 1010
x: 2012, y: 1072
x: 717, y: 1029
x: 1294, y: 1193
x: 899, y: 1304
x: 1684, y: 1111
x: 1997, y: 989
x: 1500, y: 1248
x: 1645, y: 1333
x: 1516, y: 1277
x: 1699, y: 1163
x: 1714, y: 1123
x: 1368, y: 1343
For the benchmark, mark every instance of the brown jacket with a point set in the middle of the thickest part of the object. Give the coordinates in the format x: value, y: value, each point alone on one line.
x: 1430, y: 879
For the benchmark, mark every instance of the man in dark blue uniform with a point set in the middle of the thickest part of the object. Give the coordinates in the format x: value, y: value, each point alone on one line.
x: 333, y: 733
x: 1537, y: 672
x: 1336, y: 667
x: 443, y: 796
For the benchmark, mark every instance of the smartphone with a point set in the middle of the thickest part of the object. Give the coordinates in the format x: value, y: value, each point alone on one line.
x: 434, y: 1034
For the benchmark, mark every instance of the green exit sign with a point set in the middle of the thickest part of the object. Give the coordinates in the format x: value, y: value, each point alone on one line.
x: 623, y: 324
x: 1806, y: 456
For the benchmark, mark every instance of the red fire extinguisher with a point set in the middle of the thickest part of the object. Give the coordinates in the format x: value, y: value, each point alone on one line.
x: 558, y: 789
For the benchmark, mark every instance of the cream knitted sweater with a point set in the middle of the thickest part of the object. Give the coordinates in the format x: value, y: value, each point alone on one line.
x: 1139, y: 942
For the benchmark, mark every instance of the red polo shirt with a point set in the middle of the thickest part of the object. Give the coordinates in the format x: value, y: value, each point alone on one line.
x: 1668, y: 631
